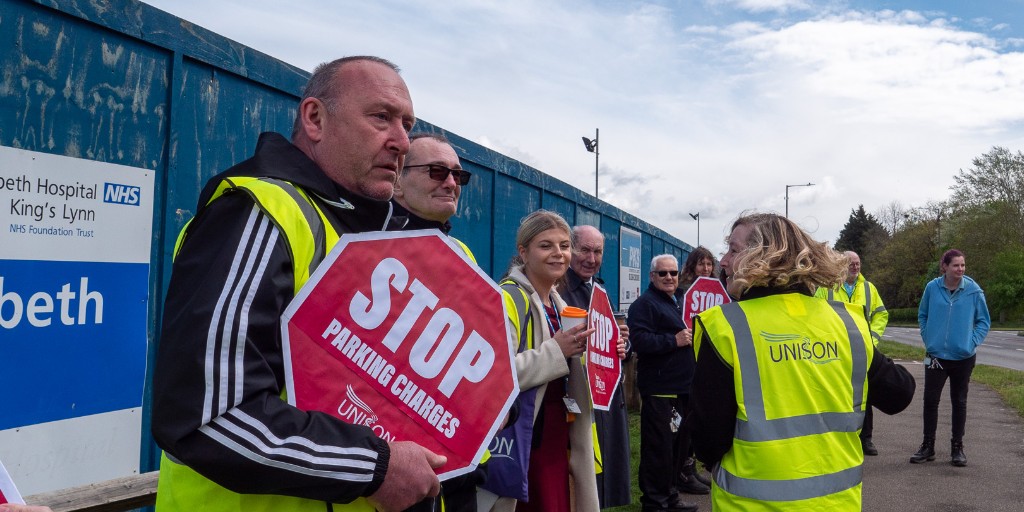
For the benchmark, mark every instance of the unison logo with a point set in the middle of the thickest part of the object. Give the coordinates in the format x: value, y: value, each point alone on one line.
x: 121, y: 194
x: 793, y: 347
x: 354, y: 410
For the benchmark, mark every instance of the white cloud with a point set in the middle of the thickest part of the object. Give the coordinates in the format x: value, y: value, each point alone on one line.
x: 698, y: 111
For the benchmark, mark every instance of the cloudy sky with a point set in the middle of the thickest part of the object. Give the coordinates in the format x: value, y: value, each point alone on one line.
x: 709, y: 106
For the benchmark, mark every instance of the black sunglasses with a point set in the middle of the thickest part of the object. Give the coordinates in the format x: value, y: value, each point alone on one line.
x: 663, y: 273
x: 439, y: 172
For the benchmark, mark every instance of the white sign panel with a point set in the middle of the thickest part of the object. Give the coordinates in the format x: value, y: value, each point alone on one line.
x: 629, y: 267
x: 74, y: 291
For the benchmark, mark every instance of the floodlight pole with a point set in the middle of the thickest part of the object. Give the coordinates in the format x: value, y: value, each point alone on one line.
x: 592, y: 146
x: 787, y: 194
x: 696, y: 217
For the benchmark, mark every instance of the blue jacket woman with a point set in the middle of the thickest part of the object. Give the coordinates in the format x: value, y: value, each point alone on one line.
x: 954, y: 321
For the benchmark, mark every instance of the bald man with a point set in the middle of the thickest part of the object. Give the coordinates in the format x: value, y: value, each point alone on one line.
x: 857, y: 290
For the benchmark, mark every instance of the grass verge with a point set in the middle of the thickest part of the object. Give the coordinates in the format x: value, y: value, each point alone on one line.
x: 1008, y: 383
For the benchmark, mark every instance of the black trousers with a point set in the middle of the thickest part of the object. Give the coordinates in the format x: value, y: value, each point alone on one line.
x: 869, y: 422
x: 662, y: 451
x: 959, y: 375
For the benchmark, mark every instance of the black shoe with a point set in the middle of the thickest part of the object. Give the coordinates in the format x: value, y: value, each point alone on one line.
x: 684, y: 507
x: 676, y: 504
x: 925, y: 453
x: 689, y: 483
x: 956, y: 451
x: 702, y: 477
x: 869, y: 447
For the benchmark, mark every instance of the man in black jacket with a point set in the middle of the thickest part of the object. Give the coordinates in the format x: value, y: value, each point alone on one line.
x: 613, y: 483
x: 231, y: 440
x: 664, y: 347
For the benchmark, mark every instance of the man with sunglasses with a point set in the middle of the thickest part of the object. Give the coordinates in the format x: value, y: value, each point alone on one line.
x: 428, y: 187
x: 426, y: 196
x: 664, y: 348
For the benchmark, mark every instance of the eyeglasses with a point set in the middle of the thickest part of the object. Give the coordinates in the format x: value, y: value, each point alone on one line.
x: 439, y: 172
x: 663, y: 273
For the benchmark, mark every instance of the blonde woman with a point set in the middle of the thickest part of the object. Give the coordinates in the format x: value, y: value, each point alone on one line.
x: 783, y: 377
x: 551, y: 372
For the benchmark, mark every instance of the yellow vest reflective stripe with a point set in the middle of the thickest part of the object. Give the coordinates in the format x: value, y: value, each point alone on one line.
x: 309, y: 235
x: 517, y: 302
x: 768, y: 428
x: 874, y: 317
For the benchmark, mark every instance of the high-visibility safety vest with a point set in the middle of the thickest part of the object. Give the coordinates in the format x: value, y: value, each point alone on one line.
x: 800, y: 370
x: 865, y: 294
x: 309, y: 235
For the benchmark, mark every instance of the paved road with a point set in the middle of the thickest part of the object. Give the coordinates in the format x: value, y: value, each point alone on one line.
x: 994, y: 444
x: 1001, y: 348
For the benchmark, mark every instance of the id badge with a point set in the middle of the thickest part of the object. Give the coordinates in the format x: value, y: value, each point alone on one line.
x: 571, y: 405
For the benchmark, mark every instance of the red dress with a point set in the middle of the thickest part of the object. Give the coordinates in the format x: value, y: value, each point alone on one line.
x: 549, y: 458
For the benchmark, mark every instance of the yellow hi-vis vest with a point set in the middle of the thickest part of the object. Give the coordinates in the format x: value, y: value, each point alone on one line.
x: 865, y: 294
x: 800, y: 371
x: 309, y: 235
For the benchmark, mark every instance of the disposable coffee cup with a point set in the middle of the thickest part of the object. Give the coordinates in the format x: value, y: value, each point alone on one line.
x: 571, y: 317
x: 620, y: 318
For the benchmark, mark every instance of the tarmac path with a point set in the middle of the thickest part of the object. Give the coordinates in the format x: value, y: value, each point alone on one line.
x: 993, y: 480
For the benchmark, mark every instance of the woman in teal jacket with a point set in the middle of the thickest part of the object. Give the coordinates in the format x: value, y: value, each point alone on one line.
x: 954, y: 320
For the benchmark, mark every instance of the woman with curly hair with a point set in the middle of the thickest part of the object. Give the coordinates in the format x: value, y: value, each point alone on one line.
x: 782, y: 377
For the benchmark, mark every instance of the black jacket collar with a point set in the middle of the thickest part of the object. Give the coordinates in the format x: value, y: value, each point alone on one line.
x: 276, y: 157
x: 413, y: 221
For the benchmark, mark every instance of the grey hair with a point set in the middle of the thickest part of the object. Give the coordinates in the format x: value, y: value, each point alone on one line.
x: 654, y: 260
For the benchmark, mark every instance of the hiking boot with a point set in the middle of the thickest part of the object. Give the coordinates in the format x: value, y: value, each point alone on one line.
x: 869, y: 447
x: 956, y: 452
x: 925, y: 453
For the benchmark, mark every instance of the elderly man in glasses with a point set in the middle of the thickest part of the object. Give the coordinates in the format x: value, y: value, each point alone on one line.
x: 428, y: 188
x: 664, y: 347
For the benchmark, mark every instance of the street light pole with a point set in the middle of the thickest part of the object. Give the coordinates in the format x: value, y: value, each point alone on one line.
x: 592, y: 147
x: 696, y: 217
x: 787, y: 194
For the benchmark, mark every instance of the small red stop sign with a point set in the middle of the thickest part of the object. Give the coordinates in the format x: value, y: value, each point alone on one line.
x: 402, y: 333
x: 705, y: 293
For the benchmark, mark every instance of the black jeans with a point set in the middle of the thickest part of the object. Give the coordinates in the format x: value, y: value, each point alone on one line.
x: 662, y: 451
x: 959, y: 374
x: 869, y: 422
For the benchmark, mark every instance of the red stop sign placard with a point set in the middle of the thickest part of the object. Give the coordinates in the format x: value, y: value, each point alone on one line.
x: 703, y: 294
x: 603, y: 365
x: 400, y: 332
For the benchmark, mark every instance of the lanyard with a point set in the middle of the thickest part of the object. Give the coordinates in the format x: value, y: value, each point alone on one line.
x: 551, y: 329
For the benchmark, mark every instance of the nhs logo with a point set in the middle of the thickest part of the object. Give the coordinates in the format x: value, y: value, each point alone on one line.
x: 121, y: 194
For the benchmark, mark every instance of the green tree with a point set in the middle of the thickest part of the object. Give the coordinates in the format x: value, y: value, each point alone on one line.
x: 997, y: 177
x: 1006, y: 284
x: 864, y: 235
x: 905, y: 265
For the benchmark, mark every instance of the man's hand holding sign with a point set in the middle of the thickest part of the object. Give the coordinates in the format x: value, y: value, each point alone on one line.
x: 413, y: 348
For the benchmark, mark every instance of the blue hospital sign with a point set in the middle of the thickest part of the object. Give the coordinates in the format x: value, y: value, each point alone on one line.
x: 74, y: 296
